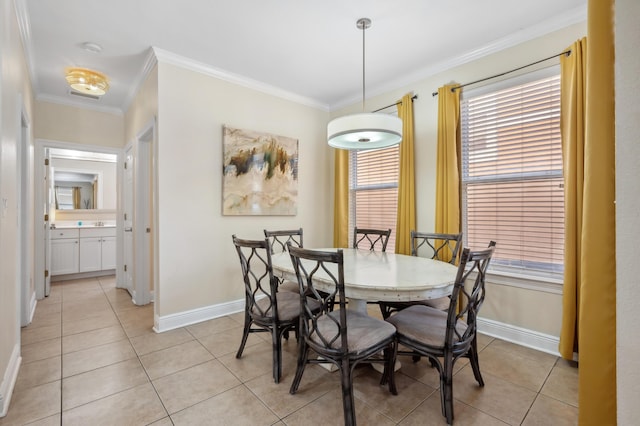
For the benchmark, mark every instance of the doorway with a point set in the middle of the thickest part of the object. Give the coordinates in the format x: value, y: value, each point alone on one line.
x: 140, y: 191
x: 45, y: 199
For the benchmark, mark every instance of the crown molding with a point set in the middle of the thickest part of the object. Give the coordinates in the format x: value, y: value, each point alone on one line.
x: 558, y: 22
x: 150, y: 62
x: 192, y: 65
x: 77, y: 104
x: 24, y: 27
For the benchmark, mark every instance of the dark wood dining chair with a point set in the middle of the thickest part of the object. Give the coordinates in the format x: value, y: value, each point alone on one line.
x: 443, y: 247
x: 278, y: 241
x: 343, y: 337
x: 266, y: 309
x: 371, y: 239
x: 446, y: 336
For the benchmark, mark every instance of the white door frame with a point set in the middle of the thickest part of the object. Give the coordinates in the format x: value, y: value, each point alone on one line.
x: 145, y: 216
x: 25, y: 221
x: 39, y: 237
x: 128, y: 166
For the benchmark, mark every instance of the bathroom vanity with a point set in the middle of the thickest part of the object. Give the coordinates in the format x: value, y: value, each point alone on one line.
x: 83, y: 249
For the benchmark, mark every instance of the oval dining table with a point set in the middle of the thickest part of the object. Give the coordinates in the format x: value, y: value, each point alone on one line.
x: 373, y: 276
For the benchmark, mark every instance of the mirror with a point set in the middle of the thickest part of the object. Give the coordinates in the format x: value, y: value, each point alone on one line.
x: 83, y: 180
x: 76, y: 190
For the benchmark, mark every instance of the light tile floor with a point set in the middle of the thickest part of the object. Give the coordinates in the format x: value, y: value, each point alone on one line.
x: 91, y: 357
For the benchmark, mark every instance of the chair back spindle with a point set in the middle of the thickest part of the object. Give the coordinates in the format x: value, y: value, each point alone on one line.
x: 371, y: 239
x: 444, y: 247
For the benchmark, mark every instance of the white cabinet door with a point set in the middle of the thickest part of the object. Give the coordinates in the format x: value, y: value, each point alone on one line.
x: 64, y: 256
x: 108, y: 253
x: 90, y: 254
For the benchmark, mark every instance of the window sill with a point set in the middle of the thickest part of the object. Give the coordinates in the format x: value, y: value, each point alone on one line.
x: 528, y: 282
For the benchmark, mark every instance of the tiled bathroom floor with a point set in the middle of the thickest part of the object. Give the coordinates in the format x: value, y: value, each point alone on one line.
x: 91, y: 358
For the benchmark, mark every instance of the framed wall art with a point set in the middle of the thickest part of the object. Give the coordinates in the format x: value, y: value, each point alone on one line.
x: 260, y: 173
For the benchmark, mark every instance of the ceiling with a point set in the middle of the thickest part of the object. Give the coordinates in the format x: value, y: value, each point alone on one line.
x: 310, y: 51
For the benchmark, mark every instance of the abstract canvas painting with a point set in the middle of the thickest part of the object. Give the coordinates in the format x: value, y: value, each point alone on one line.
x: 260, y: 173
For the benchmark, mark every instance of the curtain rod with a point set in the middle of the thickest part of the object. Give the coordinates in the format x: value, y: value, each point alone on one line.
x: 394, y: 104
x: 566, y: 52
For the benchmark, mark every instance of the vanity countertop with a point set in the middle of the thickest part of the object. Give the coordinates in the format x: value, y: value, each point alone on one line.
x: 84, y: 225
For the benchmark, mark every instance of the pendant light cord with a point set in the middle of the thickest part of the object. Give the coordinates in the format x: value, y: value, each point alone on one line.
x: 364, y: 28
x: 363, y: 24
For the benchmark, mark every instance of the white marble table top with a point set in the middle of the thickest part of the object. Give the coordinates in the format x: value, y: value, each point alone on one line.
x: 374, y: 276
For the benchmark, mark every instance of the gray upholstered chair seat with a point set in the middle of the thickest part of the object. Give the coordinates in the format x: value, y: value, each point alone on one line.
x: 288, y: 306
x: 363, y: 331
x: 289, y: 286
x: 441, y: 303
x: 424, y: 324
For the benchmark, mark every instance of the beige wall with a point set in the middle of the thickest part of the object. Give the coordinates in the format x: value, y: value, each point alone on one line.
x: 83, y: 126
x: 198, y: 266
x: 196, y: 262
x: 143, y: 108
x: 521, y: 311
x: 15, y: 92
x: 627, y: 208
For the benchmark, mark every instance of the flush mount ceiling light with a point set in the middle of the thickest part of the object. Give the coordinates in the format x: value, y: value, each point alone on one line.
x: 87, y: 81
x: 366, y: 130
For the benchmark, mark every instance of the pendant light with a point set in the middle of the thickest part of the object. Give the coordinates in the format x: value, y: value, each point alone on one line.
x: 366, y: 130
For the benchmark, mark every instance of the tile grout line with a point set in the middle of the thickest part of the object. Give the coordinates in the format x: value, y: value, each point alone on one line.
x: 137, y: 356
x: 114, y: 303
x: 61, y: 348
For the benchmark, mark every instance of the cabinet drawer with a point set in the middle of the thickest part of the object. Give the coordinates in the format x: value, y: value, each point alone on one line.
x: 64, y: 233
x: 98, y: 232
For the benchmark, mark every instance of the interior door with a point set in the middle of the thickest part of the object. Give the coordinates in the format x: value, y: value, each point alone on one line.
x: 48, y: 201
x: 142, y: 201
x: 128, y: 220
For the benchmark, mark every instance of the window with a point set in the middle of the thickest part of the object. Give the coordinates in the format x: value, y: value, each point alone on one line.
x: 373, y: 185
x: 512, y: 187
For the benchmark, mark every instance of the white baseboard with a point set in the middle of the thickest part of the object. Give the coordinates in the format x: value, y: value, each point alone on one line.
x: 511, y: 333
x: 65, y: 277
x: 9, y: 380
x: 521, y: 336
x: 181, y: 319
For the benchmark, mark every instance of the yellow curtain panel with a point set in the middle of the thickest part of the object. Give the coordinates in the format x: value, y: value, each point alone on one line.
x: 448, y: 162
x: 589, y: 294
x: 406, y: 220
x: 77, y: 197
x: 341, y: 199
x: 573, y: 104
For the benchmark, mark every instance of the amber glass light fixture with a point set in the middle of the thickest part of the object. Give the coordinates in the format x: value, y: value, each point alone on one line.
x: 87, y: 81
x: 366, y: 130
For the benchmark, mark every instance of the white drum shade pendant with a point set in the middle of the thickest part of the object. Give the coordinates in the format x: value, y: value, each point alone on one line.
x: 366, y: 130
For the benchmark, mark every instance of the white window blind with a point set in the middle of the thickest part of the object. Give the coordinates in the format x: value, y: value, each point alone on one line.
x: 373, y: 182
x: 512, y: 175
